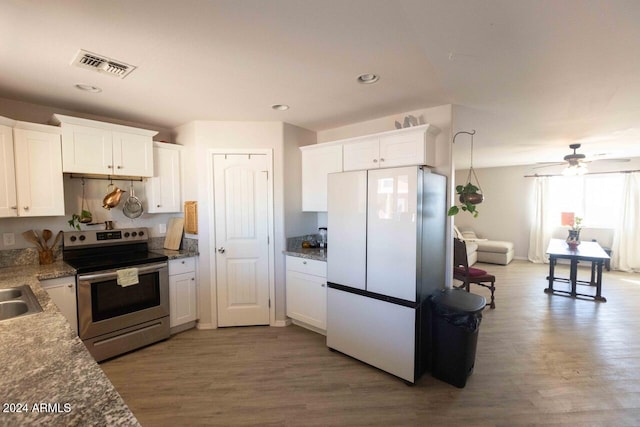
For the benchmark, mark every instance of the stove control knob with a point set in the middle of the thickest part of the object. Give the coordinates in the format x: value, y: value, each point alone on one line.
x: 126, y: 234
x: 134, y: 234
x: 72, y: 238
x: 82, y: 237
x: 141, y: 233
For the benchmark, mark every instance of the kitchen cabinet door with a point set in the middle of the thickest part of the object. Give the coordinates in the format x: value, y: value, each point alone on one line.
x: 63, y: 293
x: 403, y: 149
x: 87, y: 150
x: 182, y: 298
x: 38, y: 173
x: 361, y: 155
x: 163, y: 190
x: 132, y: 154
x: 8, y: 201
x: 317, y: 164
x: 307, y: 298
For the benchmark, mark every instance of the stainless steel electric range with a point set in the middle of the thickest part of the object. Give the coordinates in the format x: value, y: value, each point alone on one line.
x: 122, y: 290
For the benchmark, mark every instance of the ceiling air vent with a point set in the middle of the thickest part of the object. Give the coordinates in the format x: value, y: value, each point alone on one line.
x: 102, y: 64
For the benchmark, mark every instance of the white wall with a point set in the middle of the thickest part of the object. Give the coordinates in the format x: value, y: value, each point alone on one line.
x: 505, y: 214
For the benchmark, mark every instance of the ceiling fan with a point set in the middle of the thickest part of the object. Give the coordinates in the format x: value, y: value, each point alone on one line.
x: 575, y: 162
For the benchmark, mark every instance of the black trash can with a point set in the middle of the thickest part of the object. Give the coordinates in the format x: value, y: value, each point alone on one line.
x: 456, y: 317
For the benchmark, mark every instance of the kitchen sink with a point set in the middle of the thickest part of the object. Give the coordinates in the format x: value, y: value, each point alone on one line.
x: 16, y: 302
x: 9, y: 294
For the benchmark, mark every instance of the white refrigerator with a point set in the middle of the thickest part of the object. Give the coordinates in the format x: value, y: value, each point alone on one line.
x: 386, y: 255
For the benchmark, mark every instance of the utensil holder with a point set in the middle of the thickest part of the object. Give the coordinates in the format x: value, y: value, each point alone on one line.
x: 45, y: 256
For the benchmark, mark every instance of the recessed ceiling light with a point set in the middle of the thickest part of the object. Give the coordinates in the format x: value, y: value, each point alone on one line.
x: 88, y: 88
x: 280, y: 107
x: 368, y: 78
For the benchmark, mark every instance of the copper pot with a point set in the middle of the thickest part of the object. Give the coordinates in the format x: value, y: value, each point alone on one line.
x: 112, y: 199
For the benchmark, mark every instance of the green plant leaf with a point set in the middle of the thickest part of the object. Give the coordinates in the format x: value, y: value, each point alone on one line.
x: 453, y: 210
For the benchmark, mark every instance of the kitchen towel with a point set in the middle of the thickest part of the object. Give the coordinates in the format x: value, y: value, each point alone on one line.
x: 128, y: 277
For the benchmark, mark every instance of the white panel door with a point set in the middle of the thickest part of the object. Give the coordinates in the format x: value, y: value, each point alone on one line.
x: 38, y: 173
x: 8, y: 201
x: 241, y: 223
x: 392, y: 232
x: 347, y: 229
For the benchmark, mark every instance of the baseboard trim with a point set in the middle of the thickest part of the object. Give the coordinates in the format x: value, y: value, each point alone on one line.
x: 281, y: 323
x: 205, y: 326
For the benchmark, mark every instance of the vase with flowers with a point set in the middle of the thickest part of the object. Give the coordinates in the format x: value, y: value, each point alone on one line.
x: 574, y: 233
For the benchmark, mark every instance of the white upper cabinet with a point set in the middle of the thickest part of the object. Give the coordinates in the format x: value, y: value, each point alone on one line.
x: 8, y: 200
x: 31, y: 179
x: 93, y: 147
x: 163, y: 190
x: 404, y: 147
x: 317, y: 163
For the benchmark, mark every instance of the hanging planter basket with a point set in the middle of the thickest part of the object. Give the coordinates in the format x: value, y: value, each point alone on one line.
x: 469, y: 194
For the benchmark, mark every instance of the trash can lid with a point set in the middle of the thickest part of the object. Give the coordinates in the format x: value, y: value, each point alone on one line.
x: 459, y: 300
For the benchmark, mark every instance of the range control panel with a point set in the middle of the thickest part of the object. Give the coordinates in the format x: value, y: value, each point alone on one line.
x: 105, y: 237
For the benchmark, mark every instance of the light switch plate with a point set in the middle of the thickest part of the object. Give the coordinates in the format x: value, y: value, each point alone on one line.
x: 162, y: 228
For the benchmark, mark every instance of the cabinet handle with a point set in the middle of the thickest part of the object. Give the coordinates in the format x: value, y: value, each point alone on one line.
x: 109, y: 166
x: 26, y: 208
x: 15, y: 208
x: 323, y: 285
x: 375, y: 160
x: 193, y: 278
x: 183, y: 262
x: 304, y: 262
x: 69, y: 286
x: 381, y: 159
x: 157, y: 206
x: 119, y: 167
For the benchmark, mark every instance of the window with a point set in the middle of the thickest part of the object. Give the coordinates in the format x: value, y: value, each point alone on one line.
x: 595, y: 198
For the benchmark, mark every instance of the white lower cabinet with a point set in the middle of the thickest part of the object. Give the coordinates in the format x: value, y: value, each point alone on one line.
x: 182, y: 293
x: 307, y: 292
x: 62, y: 291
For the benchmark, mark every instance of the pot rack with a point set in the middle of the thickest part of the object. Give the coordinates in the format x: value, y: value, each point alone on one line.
x: 108, y: 177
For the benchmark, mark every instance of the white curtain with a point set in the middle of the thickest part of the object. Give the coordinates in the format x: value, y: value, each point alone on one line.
x: 541, y: 226
x: 626, y: 241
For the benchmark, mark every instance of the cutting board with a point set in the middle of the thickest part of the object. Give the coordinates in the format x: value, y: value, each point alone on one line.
x: 174, y: 233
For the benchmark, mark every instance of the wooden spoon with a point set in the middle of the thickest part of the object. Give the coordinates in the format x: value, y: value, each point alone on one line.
x: 32, y: 236
x: 46, y: 235
x: 55, y: 241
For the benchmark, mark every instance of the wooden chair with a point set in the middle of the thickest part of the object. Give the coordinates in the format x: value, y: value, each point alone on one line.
x: 468, y: 275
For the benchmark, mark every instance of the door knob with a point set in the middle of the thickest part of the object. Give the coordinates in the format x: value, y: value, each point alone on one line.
x: 221, y: 250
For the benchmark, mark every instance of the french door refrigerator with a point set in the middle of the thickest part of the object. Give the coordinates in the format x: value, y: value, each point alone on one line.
x: 386, y: 256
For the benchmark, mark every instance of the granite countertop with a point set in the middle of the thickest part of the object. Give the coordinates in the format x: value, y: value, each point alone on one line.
x: 176, y: 254
x: 46, y: 367
x: 319, y: 254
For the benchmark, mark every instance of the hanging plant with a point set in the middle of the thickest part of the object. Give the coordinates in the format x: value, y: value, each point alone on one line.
x: 469, y: 194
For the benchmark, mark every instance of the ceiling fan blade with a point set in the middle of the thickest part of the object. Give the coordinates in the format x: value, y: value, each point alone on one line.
x: 612, y: 160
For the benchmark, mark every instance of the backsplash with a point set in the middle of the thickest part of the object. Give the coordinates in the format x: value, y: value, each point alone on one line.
x: 294, y: 243
x: 29, y: 256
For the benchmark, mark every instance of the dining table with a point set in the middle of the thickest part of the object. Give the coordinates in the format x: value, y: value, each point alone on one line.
x: 584, y: 252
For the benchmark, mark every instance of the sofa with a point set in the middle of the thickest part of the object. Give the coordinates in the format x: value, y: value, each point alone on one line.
x: 485, y: 250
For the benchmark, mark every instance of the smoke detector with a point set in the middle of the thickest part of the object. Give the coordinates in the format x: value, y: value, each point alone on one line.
x: 102, y: 64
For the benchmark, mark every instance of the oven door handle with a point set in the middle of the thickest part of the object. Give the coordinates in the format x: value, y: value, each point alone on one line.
x: 113, y: 274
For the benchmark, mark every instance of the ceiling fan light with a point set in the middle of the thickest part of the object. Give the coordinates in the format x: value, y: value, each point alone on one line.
x: 575, y: 170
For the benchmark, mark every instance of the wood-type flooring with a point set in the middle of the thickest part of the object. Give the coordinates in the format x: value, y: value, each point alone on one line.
x: 541, y: 360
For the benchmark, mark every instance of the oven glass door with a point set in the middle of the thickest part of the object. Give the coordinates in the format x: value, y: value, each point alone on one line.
x: 108, y: 299
x: 105, y: 307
